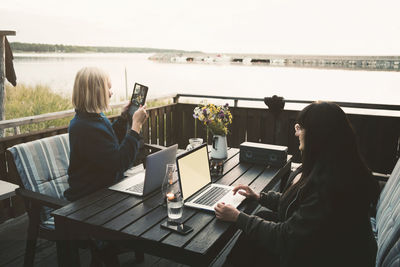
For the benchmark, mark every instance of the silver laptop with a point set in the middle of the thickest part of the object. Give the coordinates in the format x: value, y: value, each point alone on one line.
x: 195, y: 181
x: 147, y: 180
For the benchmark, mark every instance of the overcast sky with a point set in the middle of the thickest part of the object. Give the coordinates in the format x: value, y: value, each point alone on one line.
x: 358, y: 27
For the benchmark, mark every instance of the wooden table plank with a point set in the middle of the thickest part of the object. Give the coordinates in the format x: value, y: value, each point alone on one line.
x: 134, y: 213
x: 157, y: 233
x: 231, y: 163
x: 232, y: 152
x: 250, y: 176
x: 208, y: 236
x: 114, y: 211
x: 146, y: 222
x: 234, y: 174
x: 213, y: 237
x: 197, y: 222
x: 98, y: 206
x: 269, y: 174
x: 263, y: 180
x: 83, y: 202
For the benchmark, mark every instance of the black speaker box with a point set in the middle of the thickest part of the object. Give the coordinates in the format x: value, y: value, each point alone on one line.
x: 263, y: 154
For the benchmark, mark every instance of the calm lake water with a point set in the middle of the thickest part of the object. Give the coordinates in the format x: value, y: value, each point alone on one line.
x: 58, y: 71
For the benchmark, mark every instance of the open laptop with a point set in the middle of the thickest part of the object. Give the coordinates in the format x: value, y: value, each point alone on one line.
x: 195, y: 181
x: 147, y: 180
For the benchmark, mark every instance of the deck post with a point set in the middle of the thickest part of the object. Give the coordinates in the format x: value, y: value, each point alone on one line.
x: 275, y: 106
x: 3, y: 35
x: 176, y: 99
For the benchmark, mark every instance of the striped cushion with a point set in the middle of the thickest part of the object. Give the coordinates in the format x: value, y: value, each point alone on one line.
x: 393, y: 257
x: 388, y: 215
x: 42, y: 165
x: 373, y: 225
x: 49, y: 224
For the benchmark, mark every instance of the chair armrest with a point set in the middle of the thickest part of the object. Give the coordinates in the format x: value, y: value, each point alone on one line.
x: 41, y: 199
x: 381, y: 177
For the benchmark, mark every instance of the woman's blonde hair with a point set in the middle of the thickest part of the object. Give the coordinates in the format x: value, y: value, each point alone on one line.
x: 91, y: 90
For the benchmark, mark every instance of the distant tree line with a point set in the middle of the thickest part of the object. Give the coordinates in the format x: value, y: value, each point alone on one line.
x: 59, y: 48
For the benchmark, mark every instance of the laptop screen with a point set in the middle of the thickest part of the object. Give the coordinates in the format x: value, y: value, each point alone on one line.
x: 194, y: 171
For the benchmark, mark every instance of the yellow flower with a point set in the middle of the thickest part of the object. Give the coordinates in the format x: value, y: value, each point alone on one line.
x: 215, y: 118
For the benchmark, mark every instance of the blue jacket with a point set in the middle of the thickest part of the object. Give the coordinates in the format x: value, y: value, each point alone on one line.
x: 97, y: 158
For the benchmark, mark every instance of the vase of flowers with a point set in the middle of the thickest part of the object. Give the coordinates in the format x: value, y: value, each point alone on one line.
x: 216, y: 119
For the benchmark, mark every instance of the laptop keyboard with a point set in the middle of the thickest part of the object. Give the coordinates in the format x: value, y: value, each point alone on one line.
x: 137, y: 188
x: 212, y: 196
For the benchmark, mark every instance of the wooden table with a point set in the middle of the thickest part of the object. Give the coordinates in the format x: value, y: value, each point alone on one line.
x: 110, y: 215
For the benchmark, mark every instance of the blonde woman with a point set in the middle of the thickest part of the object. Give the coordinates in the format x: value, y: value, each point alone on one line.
x: 98, y: 157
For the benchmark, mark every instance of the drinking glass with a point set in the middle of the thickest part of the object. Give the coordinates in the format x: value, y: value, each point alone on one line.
x: 174, y: 207
x: 170, y: 178
x: 171, y: 193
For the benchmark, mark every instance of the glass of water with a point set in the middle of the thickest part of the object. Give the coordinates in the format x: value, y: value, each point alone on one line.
x: 174, y: 207
x: 172, y: 194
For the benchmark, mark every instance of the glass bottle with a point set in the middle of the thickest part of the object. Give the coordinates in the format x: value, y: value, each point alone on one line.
x: 171, y: 193
x: 170, y: 186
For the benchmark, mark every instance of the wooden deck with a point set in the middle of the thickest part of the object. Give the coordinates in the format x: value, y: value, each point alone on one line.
x: 12, y: 249
x: 379, y: 138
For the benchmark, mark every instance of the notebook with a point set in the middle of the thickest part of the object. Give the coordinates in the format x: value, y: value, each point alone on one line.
x: 143, y: 182
x: 197, y: 189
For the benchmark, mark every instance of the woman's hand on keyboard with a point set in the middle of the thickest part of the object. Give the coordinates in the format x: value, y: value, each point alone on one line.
x: 226, y: 212
x: 246, y: 191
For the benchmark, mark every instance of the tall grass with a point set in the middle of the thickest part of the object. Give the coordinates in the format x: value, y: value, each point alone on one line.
x: 157, y: 103
x: 23, y: 101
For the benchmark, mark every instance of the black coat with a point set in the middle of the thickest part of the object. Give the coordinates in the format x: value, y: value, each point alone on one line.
x: 97, y: 158
x: 325, y: 223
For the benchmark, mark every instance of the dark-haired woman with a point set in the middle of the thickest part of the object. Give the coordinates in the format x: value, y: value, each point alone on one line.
x: 322, y: 219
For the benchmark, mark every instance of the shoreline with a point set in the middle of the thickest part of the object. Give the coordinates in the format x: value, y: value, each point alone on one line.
x: 327, y: 62
x: 378, y: 63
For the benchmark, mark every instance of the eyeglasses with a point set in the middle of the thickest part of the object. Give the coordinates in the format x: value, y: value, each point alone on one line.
x: 297, y: 127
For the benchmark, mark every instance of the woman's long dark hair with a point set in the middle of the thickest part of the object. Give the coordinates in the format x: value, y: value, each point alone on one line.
x: 330, y: 140
x: 329, y: 137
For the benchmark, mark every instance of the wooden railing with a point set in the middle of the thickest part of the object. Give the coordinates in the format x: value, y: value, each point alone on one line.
x: 16, y: 123
x: 173, y: 123
x: 379, y: 136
